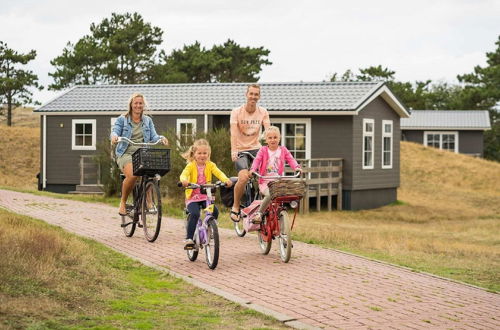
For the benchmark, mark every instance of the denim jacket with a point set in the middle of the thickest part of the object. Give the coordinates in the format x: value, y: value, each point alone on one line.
x: 123, y: 128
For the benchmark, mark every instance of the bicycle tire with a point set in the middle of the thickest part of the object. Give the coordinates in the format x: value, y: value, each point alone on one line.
x: 193, y: 253
x: 128, y: 223
x: 238, y: 228
x: 264, y: 237
x: 212, y: 247
x: 285, y: 238
x: 151, y: 211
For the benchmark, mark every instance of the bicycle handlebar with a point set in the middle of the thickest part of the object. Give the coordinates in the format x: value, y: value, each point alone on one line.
x: 205, y: 185
x: 242, y: 153
x: 122, y: 138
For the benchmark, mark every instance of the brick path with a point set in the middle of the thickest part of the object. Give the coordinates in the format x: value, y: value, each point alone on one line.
x: 318, y: 288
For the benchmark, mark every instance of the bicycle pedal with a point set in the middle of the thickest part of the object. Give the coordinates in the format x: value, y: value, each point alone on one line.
x: 189, y: 247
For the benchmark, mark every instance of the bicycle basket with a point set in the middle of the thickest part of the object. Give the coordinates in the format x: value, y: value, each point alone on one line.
x: 287, y: 187
x: 146, y: 161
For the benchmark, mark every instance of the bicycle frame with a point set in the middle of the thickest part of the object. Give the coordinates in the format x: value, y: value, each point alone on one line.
x: 146, y: 202
x: 206, y: 234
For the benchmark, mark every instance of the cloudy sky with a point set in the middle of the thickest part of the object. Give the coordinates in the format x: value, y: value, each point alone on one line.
x: 309, y: 40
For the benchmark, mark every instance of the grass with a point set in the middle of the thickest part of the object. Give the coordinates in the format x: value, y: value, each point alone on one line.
x: 445, y: 222
x: 52, y: 279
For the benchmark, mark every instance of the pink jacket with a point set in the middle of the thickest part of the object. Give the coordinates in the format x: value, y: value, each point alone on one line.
x: 262, y: 158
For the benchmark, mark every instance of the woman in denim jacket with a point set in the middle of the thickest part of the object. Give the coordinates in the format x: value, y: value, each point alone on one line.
x: 139, y: 128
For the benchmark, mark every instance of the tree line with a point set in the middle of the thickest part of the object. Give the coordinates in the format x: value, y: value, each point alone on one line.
x: 124, y: 49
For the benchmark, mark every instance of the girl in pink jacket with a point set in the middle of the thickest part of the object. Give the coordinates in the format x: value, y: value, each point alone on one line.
x: 270, y: 161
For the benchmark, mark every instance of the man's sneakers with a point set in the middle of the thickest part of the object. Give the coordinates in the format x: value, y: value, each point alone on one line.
x: 189, y: 244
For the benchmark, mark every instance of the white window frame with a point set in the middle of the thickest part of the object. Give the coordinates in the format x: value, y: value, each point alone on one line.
x: 372, y: 135
x: 74, y: 122
x: 440, y: 133
x: 306, y: 121
x: 113, y: 121
x: 390, y: 136
x: 181, y: 121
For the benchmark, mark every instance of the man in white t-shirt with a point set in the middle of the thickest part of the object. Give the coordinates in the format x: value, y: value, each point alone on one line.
x: 246, y: 123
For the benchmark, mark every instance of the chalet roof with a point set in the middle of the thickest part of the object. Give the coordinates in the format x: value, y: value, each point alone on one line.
x: 447, y: 119
x: 222, y: 97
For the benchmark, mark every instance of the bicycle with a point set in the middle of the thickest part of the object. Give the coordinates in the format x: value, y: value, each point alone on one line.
x: 286, y: 195
x: 143, y: 204
x: 206, y: 234
x: 250, y: 194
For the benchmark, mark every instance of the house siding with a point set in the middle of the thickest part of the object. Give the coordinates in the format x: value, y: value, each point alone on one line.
x: 377, y: 177
x: 469, y: 142
x: 368, y: 199
x: 413, y: 136
x: 332, y: 138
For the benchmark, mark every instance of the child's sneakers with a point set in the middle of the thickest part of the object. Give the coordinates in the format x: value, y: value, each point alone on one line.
x: 257, y: 218
x: 189, y: 244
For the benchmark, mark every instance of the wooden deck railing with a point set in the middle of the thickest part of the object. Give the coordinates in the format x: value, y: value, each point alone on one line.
x: 323, y: 177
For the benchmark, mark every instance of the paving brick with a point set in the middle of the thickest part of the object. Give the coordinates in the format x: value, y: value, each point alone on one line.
x: 318, y: 288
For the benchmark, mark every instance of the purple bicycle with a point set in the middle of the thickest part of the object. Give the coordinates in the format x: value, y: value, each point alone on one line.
x: 206, y: 235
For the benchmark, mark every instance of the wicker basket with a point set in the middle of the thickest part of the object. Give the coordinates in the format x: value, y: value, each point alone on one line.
x: 147, y: 161
x: 287, y: 187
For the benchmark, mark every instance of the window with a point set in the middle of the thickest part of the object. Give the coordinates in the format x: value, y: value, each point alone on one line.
x: 295, y: 135
x: 387, y: 143
x: 186, y: 131
x: 442, y: 140
x: 83, y: 134
x: 368, y: 135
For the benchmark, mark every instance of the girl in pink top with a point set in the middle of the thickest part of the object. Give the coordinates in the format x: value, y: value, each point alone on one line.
x: 270, y: 161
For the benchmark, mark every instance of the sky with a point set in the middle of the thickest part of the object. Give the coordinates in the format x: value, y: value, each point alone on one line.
x: 309, y: 40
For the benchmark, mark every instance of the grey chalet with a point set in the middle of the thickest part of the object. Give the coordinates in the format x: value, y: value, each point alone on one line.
x: 356, y: 121
x: 460, y: 131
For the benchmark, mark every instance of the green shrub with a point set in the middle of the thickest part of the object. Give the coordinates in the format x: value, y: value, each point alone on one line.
x: 110, y: 173
x: 220, y: 142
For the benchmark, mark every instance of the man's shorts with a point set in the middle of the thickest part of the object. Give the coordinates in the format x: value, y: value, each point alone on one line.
x: 244, y: 161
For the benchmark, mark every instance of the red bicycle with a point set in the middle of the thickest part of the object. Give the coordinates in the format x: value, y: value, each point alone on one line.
x: 275, y: 223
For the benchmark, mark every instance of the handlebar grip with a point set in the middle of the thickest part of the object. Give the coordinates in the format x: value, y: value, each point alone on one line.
x: 179, y: 184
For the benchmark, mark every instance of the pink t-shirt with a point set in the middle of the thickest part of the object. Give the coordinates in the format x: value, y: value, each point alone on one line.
x: 246, y: 130
x: 197, y: 196
x: 272, y: 167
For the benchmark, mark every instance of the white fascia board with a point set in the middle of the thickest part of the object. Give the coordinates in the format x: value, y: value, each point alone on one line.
x: 387, y: 95
x: 200, y: 112
x: 443, y: 128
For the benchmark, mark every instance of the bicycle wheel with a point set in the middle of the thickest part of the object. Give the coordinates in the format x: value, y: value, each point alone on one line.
x: 264, y: 236
x: 212, y: 247
x: 193, y: 253
x: 151, y: 211
x: 285, y: 238
x: 128, y: 224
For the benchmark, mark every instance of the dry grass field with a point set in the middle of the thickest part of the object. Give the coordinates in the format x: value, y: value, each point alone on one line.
x: 447, y: 220
x: 21, y: 117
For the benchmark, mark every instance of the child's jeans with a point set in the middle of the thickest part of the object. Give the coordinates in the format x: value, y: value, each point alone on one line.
x: 194, y: 214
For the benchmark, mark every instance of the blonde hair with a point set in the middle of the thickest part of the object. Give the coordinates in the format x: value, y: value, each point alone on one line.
x: 189, y: 154
x: 254, y: 86
x: 131, y: 99
x: 271, y: 129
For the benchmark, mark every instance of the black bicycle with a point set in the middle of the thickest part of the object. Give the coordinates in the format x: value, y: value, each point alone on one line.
x: 144, y: 202
x: 250, y: 194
